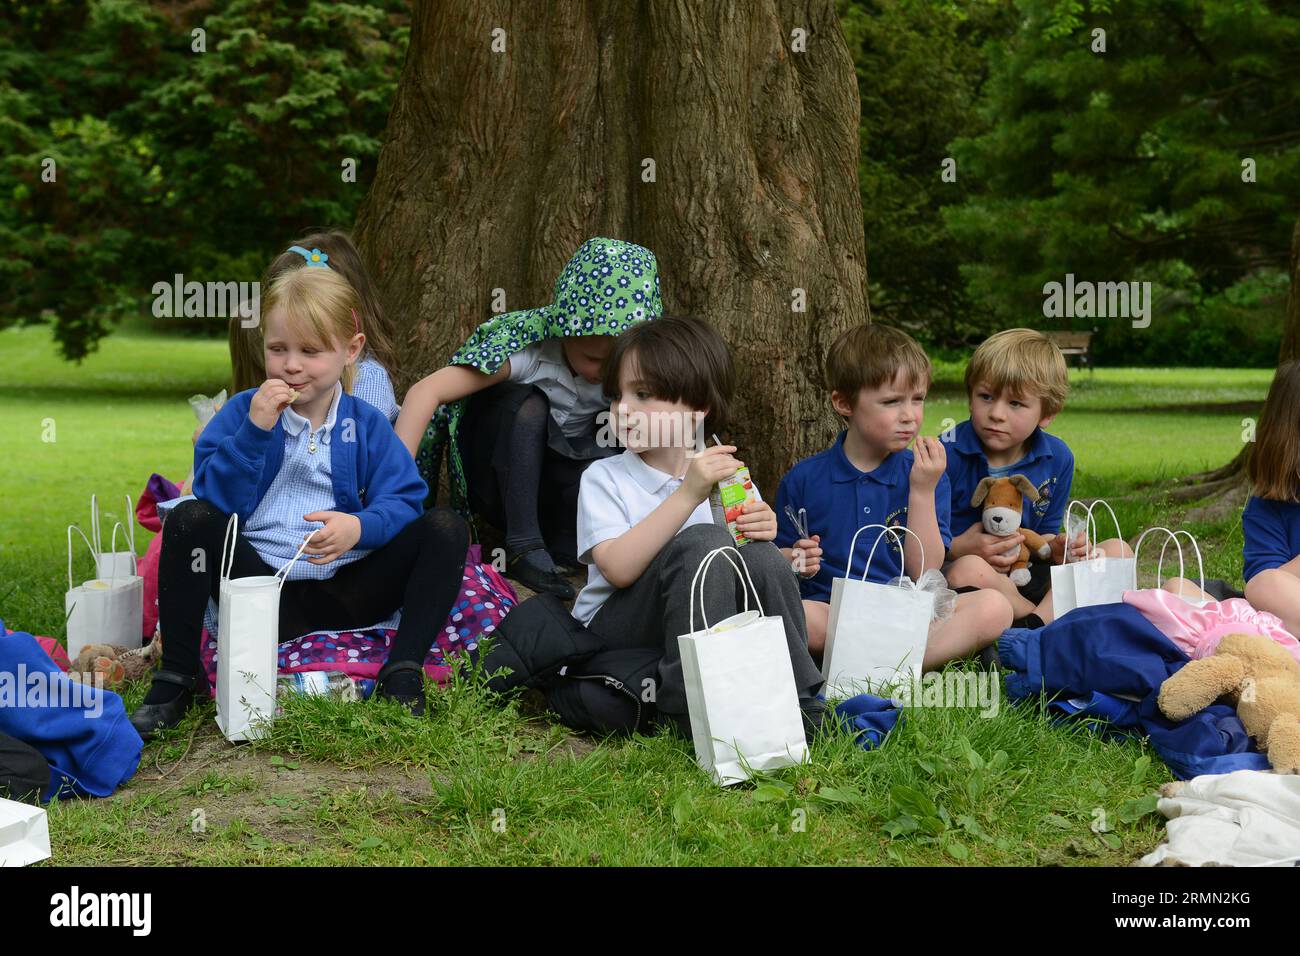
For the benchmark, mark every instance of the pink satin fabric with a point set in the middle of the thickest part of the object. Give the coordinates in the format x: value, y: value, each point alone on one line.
x: 1198, y: 630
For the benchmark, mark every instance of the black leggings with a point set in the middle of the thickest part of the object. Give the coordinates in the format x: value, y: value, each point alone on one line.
x: 419, y: 571
x: 516, y: 477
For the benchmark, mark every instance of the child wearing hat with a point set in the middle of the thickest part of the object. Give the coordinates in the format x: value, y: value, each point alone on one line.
x: 517, y: 408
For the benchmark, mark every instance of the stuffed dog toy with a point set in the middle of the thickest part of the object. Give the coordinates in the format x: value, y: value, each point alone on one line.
x: 1002, y: 499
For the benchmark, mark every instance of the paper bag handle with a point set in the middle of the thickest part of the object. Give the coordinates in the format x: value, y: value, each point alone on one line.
x: 703, y: 569
x: 228, y: 544
x: 128, y: 525
x: 302, y: 547
x: 95, y: 542
x: 891, y: 530
x: 91, y: 547
x: 1090, y: 523
x: 1171, y: 536
x: 135, y: 567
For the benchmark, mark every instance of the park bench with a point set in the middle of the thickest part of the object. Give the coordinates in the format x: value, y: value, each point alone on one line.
x: 1073, y: 343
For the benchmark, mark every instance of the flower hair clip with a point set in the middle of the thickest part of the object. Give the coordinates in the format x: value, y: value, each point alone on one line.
x: 315, y: 258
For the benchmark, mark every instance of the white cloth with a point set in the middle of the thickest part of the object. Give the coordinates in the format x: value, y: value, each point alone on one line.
x: 617, y: 493
x: 574, y: 401
x: 1243, y: 818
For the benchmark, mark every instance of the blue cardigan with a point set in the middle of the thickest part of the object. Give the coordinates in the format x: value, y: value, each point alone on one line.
x: 374, y: 475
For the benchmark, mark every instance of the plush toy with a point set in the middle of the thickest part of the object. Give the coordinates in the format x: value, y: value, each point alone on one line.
x: 1260, y: 678
x: 1003, y: 499
x: 107, y: 665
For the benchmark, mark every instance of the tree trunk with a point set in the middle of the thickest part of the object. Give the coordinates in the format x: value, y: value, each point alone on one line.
x: 1226, y: 487
x: 497, y: 165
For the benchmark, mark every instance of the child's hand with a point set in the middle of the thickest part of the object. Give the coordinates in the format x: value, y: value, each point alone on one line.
x: 806, y: 556
x: 341, y: 533
x: 929, y: 463
x: 757, y: 521
x: 707, y: 468
x: 269, y: 401
x: 1078, y: 550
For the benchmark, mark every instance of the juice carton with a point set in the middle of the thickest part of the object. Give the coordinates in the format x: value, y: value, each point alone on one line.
x: 734, y: 492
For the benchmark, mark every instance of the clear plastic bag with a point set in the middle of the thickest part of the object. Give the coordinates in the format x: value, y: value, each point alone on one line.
x: 945, y: 598
x: 205, y: 408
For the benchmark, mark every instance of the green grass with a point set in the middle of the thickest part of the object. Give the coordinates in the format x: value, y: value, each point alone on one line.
x: 481, y: 783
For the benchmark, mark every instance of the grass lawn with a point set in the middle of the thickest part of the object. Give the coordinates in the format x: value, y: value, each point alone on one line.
x: 477, y: 783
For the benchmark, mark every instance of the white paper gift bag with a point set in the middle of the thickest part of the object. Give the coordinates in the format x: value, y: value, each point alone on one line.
x: 1175, y: 538
x: 1096, y: 580
x: 248, y: 638
x: 113, y: 563
x: 102, y: 610
x: 875, y: 633
x: 24, y: 833
x: 740, y: 691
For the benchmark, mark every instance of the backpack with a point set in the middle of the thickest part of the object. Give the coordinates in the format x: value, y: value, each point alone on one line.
x: 589, y: 687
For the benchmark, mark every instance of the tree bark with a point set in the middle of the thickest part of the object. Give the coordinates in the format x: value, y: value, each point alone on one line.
x: 497, y: 165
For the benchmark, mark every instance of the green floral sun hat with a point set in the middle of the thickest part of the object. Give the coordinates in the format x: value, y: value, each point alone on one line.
x: 606, y: 287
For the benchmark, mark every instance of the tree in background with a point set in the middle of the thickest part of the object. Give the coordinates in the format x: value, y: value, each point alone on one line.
x: 173, y: 151
x: 920, y: 67
x: 724, y: 137
x: 1171, y: 156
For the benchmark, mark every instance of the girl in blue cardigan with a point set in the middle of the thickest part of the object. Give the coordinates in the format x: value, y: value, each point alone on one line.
x: 299, y: 455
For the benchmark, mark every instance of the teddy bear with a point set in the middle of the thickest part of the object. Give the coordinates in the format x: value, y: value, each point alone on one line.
x: 107, y: 665
x: 1002, y: 500
x: 1260, y: 678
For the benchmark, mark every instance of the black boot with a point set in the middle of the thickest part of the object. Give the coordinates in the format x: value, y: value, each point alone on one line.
x: 148, y: 719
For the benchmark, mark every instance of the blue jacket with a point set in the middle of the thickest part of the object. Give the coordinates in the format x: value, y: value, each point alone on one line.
x: 83, y: 732
x: 374, y: 475
x: 1107, y: 661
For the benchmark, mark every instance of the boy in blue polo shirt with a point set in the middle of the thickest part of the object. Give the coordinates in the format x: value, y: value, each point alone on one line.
x: 879, y: 377
x: 1016, y: 383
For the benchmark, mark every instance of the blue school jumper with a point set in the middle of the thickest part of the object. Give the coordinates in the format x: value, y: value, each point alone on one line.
x: 1271, y: 530
x: 841, y: 499
x: 372, y: 473
x: 1048, y: 463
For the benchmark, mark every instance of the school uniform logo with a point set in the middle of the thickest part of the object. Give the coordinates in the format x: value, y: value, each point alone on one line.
x: 896, y: 519
x: 1044, y: 501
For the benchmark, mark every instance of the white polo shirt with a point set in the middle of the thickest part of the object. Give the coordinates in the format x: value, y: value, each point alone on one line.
x: 575, y: 402
x: 617, y: 493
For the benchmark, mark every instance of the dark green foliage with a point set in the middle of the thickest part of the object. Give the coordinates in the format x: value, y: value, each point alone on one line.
x: 171, y: 160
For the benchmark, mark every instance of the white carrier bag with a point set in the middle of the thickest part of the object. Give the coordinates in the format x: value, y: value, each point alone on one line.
x: 24, y: 833
x: 109, y: 564
x: 1098, y: 580
x: 740, y: 691
x: 1174, y: 538
x: 876, y: 633
x: 103, y: 610
x: 248, y: 638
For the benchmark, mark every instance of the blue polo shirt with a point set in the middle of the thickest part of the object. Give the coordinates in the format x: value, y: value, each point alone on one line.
x: 1271, y: 530
x: 1048, y: 463
x: 840, y: 499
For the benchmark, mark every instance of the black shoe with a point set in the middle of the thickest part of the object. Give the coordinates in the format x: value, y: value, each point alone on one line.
x: 543, y: 582
x: 816, y: 715
x: 402, y: 681
x: 989, y: 657
x: 148, y: 719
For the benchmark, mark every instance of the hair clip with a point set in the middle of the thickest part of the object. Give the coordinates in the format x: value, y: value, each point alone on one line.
x: 356, y: 323
x: 315, y: 258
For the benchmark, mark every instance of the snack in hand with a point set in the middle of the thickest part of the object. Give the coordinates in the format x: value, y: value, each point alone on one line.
x: 293, y: 395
